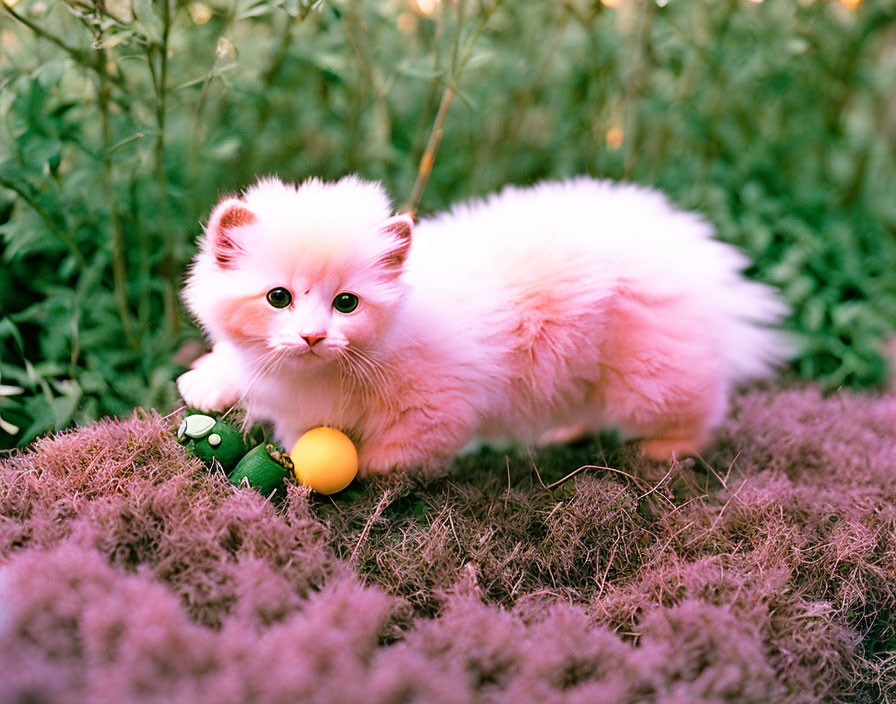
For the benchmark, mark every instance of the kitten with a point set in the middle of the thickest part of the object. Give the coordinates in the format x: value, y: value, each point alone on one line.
x: 539, y: 313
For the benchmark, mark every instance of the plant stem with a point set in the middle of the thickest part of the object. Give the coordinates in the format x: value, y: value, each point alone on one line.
x: 81, y: 56
x: 428, y: 160
x: 167, y: 266
x: 504, y: 149
x: 85, y: 58
x: 636, y: 86
x: 249, y: 148
x: 119, y: 265
x: 458, y: 63
x: 383, y: 119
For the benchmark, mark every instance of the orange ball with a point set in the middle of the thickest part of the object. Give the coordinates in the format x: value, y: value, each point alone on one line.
x: 325, y: 460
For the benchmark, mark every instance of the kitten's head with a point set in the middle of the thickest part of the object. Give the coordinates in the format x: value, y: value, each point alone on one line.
x: 309, y: 270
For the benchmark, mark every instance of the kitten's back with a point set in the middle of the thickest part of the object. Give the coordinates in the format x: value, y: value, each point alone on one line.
x: 595, y: 238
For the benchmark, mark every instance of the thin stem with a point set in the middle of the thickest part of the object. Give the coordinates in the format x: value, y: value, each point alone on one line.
x: 159, y: 75
x: 381, y: 106
x: 385, y: 500
x: 523, y: 100
x: 119, y: 279
x: 247, y: 154
x: 458, y: 64
x: 428, y: 160
x: 160, y: 81
x: 554, y: 485
x: 81, y: 56
x: 433, y: 85
x: 636, y: 85
x: 119, y: 263
x: 144, y: 303
x: 85, y: 58
x: 455, y: 49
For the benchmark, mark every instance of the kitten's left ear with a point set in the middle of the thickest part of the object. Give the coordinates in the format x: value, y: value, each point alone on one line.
x: 228, y: 215
x: 398, y: 230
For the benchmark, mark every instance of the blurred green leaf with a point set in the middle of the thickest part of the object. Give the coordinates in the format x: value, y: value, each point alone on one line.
x: 152, y: 24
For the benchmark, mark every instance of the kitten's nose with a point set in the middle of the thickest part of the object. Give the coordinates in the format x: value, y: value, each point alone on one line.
x: 312, y: 340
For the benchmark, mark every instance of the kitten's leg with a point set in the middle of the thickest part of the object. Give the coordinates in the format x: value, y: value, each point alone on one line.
x: 209, y: 386
x: 418, y: 438
x: 671, y: 446
x: 661, y: 380
x: 673, y: 419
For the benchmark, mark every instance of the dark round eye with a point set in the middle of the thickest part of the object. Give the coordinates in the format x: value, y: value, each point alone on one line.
x: 279, y: 297
x: 345, y: 302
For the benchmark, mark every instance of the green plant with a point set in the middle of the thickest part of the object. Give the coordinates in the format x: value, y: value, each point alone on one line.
x: 123, y: 121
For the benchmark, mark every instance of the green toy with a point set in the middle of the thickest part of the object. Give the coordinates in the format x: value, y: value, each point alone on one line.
x: 264, y: 469
x: 327, y: 459
x: 211, y: 440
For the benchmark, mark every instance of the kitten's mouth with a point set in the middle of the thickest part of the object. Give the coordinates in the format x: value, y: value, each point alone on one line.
x: 310, y: 355
x: 295, y: 353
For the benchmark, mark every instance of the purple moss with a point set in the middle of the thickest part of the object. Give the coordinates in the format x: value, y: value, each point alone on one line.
x: 129, y: 491
x: 765, y: 572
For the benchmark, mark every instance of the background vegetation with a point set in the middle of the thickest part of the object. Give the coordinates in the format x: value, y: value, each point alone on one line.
x: 122, y: 121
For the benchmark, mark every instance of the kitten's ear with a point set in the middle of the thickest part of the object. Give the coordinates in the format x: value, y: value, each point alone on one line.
x: 398, y: 230
x: 228, y: 215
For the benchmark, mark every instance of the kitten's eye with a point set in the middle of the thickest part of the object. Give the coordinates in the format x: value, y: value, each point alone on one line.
x: 345, y: 302
x: 279, y: 297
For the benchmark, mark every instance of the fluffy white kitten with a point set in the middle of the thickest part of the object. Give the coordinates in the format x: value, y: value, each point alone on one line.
x: 541, y: 312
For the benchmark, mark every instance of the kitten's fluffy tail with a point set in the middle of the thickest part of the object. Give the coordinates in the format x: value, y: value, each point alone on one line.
x: 754, y: 344
x: 749, y: 314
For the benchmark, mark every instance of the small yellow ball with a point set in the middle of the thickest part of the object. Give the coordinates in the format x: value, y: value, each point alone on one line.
x: 325, y: 460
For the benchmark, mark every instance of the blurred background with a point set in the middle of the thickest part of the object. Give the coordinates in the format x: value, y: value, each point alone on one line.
x: 122, y: 121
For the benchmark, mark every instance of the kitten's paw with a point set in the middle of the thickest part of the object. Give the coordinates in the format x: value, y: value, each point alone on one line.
x: 205, y: 392
x: 563, y: 435
x: 672, y: 447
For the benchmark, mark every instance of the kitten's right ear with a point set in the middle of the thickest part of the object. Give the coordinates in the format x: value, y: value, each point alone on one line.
x: 398, y: 229
x: 228, y: 215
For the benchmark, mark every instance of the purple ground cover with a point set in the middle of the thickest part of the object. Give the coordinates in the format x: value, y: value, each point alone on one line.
x: 765, y: 572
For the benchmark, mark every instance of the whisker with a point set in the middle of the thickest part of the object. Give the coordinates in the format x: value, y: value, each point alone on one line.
x: 268, y: 362
x: 374, y: 373
x: 271, y: 367
x: 348, y: 382
x: 262, y: 357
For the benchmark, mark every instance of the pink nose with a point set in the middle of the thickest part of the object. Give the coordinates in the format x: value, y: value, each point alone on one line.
x: 312, y: 340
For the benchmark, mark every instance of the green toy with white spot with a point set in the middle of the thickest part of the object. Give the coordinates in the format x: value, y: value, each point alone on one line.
x: 212, y: 440
x: 323, y: 459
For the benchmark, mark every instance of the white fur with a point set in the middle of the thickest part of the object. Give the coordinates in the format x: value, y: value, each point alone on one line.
x: 578, y: 304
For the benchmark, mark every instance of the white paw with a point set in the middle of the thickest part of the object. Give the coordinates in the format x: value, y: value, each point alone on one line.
x: 205, y: 391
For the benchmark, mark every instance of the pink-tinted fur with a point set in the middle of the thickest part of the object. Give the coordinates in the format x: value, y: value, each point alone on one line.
x: 539, y: 313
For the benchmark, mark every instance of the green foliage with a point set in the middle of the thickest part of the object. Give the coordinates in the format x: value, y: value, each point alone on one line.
x: 122, y: 122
